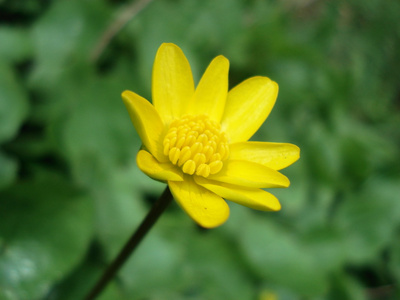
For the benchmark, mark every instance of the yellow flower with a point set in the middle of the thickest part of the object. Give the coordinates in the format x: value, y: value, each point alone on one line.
x: 196, y: 139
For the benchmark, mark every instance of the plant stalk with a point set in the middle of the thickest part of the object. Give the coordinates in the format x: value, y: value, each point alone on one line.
x: 151, y: 218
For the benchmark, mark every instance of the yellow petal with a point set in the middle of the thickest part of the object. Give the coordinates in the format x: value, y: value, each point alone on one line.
x: 156, y: 170
x: 204, y: 207
x: 250, y: 197
x: 247, y: 106
x: 172, y: 85
x: 210, y: 95
x: 273, y: 155
x: 249, y: 174
x: 147, y: 122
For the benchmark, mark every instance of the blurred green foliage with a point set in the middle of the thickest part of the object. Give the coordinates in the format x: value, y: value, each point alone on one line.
x: 71, y: 194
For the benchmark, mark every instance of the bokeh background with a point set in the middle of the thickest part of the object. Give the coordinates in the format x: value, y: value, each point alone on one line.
x: 71, y: 193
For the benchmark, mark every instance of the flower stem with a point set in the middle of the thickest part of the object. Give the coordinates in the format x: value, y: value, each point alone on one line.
x: 132, y: 243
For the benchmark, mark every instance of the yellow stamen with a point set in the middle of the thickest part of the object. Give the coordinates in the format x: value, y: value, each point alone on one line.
x: 197, y: 145
x: 189, y: 167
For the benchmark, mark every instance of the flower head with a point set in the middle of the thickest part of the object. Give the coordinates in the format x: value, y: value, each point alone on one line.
x: 196, y: 139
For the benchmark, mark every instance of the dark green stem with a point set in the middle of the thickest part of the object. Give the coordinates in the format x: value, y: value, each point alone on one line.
x: 131, y: 245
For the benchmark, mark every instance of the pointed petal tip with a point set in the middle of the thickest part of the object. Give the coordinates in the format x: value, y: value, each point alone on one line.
x: 210, y: 224
x: 263, y: 80
x: 276, y: 207
x: 146, y: 121
x: 250, y: 174
x: 166, y: 46
x: 286, y: 184
x: 127, y: 96
x: 297, y: 149
x: 149, y: 165
x: 204, y: 207
x: 221, y: 60
x: 211, y: 92
x: 275, y: 84
x: 172, y: 82
x: 260, y: 93
x: 254, y: 198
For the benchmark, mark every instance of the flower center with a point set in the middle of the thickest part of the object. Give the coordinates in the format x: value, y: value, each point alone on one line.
x: 197, y: 145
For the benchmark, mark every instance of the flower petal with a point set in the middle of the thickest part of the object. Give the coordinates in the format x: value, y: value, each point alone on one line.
x: 247, y: 106
x: 206, y: 208
x: 172, y: 85
x: 156, y: 170
x: 250, y: 197
x: 273, y: 155
x: 147, y: 122
x: 210, y: 95
x: 249, y: 174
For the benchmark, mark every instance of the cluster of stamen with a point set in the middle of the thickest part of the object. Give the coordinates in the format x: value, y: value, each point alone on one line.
x: 197, y: 145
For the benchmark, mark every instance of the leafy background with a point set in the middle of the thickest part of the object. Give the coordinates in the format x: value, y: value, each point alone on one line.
x: 71, y: 194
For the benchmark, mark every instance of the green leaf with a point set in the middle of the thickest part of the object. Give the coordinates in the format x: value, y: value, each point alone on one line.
x: 64, y: 36
x: 208, y: 29
x: 13, y: 103
x: 97, y: 136
x: 120, y: 206
x: 80, y: 282
x: 368, y: 219
x: 8, y: 170
x: 324, y: 244
x: 157, y: 263
x: 214, y: 269
x: 346, y: 287
x: 15, y: 44
x: 323, y: 155
x: 46, y: 226
x: 394, y: 259
x: 281, y: 258
x: 294, y: 199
